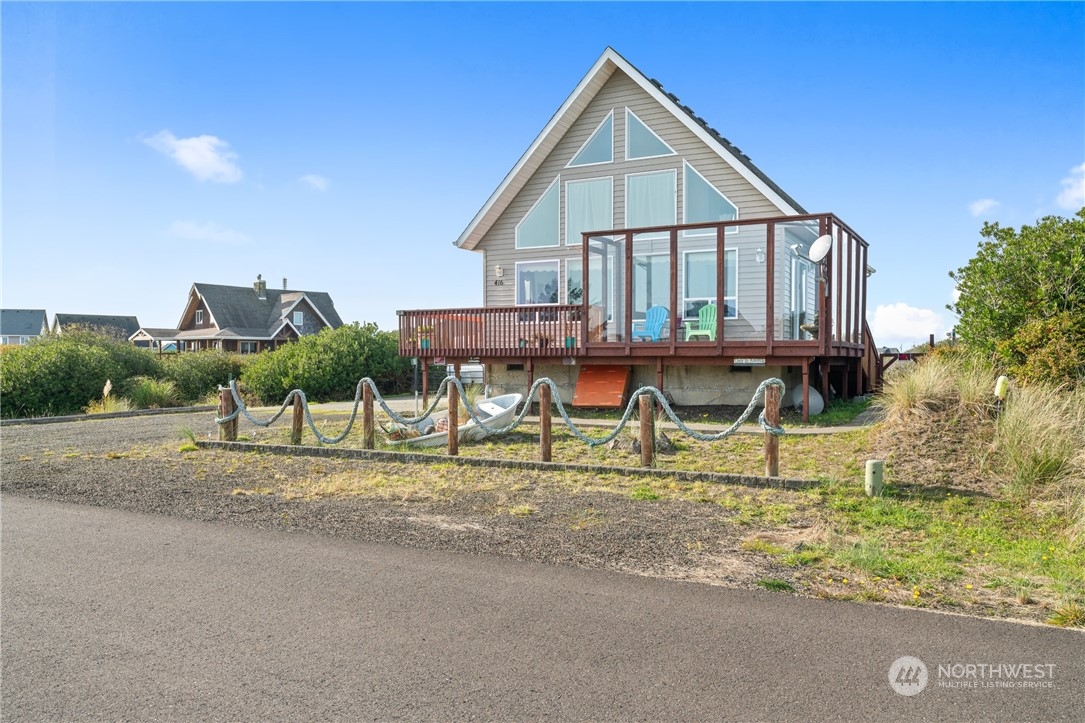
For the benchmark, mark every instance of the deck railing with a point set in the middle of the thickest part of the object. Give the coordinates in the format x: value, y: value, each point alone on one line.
x: 549, y: 330
x: 823, y: 315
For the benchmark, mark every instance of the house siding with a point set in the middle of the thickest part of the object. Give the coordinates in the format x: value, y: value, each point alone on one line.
x: 618, y: 93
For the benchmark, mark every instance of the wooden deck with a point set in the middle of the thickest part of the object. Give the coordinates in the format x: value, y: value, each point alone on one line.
x: 839, y: 341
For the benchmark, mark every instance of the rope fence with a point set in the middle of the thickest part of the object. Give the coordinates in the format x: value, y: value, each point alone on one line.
x: 544, y: 391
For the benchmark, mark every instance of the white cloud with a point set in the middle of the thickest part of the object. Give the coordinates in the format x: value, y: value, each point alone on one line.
x: 982, y: 206
x: 318, y: 182
x: 901, y: 325
x: 206, y: 157
x: 1072, y: 197
x: 210, y: 231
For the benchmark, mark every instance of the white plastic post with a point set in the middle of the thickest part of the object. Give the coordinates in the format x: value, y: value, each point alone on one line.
x: 874, y: 470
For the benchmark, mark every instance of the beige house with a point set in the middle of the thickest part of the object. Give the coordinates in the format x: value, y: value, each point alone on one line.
x: 699, y: 280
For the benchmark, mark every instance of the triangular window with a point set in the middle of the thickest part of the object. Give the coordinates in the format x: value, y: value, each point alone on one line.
x: 599, y: 148
x: 539, y: 226
x: 641, y: 141
x: 703, y: 203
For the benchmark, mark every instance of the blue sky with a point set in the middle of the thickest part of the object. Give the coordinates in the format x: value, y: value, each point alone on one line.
x: 346, y: 145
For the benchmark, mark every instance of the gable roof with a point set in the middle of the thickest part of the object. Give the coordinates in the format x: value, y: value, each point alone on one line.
x: 22, y: 322
x: 238, y: 311
x: 127, y: 324
x: 607, y: 64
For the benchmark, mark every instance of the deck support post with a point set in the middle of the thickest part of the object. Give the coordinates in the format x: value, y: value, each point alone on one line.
x: 823, y: 366
x: 297, y: 420
x: 368, y: 433
x: 659, y: 373
x: 424, y: 364
x: 545, y: 402
x: 805, y: 390
x: 227, y: 430
x: 772, y: 442
x: 453, y: 420
x: 647, y: 430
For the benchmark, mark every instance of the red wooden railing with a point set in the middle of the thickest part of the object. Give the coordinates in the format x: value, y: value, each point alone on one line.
x: 550, y: 330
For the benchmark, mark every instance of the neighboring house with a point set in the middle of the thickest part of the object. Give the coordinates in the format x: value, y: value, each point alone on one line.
x: 669, y: 216
x: 243, y: 319
x: 121, y: 327
x: 19, y: 326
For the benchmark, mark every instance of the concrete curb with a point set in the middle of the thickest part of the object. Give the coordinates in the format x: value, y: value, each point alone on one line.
x: 382, y: 456
x: 107, y: 415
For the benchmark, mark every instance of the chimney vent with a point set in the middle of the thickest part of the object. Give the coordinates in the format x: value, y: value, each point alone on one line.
x: 260, y: 287
x: 284, y: 283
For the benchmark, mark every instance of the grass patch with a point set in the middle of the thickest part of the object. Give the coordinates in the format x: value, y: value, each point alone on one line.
x: 776, y: 585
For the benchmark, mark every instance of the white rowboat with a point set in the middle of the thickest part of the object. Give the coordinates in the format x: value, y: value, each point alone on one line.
x: 493, y: 411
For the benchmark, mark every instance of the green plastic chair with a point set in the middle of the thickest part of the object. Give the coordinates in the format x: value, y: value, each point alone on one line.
x: 705, y: 326
x: 652, y: 326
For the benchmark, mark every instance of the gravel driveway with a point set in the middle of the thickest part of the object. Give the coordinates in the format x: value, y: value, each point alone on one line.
x: 135, y: 464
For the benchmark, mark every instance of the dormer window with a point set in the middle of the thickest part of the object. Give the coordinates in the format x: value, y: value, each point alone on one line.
x: 299, y: 318
x: 199, y: 316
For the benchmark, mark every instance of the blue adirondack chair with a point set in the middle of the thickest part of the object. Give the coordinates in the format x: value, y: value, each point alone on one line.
x: 705, y: 326
x: 652, y: 326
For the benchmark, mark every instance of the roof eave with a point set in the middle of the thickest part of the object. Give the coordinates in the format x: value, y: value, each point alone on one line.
x: 533, y: 157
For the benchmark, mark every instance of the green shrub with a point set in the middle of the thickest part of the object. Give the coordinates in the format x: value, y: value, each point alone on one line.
x: 1048, y: 350
x: 328, y: 365
x: 197, y: 374
x: 58, y: 377
x: 147, y: 393
x: 133, y: 360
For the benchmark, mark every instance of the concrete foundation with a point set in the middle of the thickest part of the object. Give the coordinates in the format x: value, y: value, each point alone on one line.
x: 693, y: 385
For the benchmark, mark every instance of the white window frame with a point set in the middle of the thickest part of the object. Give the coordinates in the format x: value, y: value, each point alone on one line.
x: 629, y: 112
x: 693, y: 233
x: 557, y: 221
x: 711, y: 300
x: 610, y: 195
x: 247, y: 347
x: 674, y: 179
x: 516, y: 280
x: 298, y: 318
x: 585, y: 144
x: 199, y: 316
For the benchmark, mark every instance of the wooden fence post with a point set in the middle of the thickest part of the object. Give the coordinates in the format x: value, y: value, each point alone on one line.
x: 298, y: 420
x: 544, y: 422
x: 228, y: 430
x: 453, y: 420
x: 368, y: 433
x: 772, y: 442
x: 647, y: 430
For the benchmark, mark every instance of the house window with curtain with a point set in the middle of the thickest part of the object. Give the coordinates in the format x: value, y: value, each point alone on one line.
x: 700, y: 283
x: 539, y: 227
x: 537, y: 282
x: 650, y: 199
x: 589, y: 206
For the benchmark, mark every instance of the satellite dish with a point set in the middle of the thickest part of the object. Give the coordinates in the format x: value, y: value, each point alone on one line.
x: 820, y: 248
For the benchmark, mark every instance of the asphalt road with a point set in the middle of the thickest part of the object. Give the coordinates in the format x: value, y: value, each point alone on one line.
x: 120, y: 616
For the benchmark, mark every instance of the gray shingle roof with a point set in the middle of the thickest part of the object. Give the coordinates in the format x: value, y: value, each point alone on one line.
x: 127, y: 325
x: 731, y: 147
x: 22, y: 322
x: 239, y: 312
